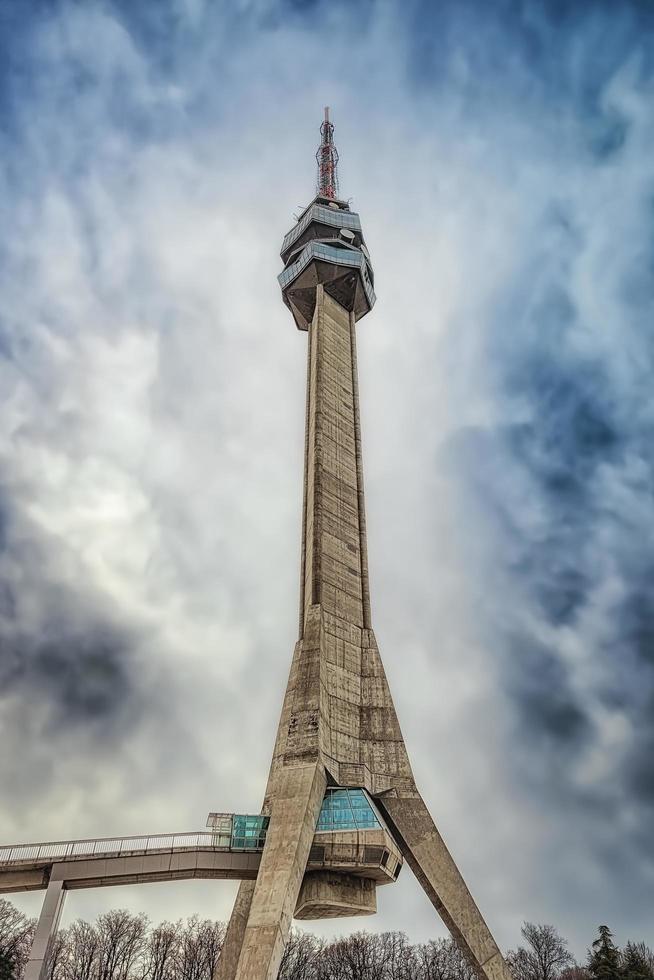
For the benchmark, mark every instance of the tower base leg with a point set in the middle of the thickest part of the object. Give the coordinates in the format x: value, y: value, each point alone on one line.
x: 46, y: 930
x: 433, y: 866
x: 299, y: 792
x: 228, y: 960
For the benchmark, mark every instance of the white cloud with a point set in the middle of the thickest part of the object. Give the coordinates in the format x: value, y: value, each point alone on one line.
x: 151, y: 434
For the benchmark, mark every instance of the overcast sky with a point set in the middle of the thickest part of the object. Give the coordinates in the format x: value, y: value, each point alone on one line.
x: 501, y: 155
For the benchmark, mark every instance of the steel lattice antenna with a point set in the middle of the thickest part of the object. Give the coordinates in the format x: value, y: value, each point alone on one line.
x: 327, y: 159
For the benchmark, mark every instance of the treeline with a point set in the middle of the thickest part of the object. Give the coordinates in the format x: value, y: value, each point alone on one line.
x: 123, y: 946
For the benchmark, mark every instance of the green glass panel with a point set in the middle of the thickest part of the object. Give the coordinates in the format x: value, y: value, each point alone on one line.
x: 249, y: 830
x: 346, y: 809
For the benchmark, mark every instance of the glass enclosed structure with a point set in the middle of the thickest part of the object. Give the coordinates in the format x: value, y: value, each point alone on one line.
x: 249, y: 831
x: 342, y: 809
x: 346, y: 809
x: 238, y: 831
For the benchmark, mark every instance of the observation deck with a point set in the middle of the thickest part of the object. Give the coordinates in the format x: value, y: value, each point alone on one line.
x: 326, y: 247
x: 338, y: 216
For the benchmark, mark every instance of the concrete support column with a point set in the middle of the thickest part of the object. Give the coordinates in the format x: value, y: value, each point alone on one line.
x: 299, y: 792
x: 46, y: 930
x: 228, y: 961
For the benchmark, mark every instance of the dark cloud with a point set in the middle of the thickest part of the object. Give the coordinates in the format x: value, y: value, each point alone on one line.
x: 58, y: 650
x: 78, y: 680
x: 640, y: 772
x: 571, y: 432
x: 564, y: 483
x: 541, y: 686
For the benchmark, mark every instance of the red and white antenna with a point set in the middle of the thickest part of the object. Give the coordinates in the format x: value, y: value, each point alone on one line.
x: 327, y: 157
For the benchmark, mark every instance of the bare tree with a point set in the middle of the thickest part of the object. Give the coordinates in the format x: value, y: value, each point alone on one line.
x: 545, y: 957
x: 78, y: 959
x: 442, y: 959
x: 161, y: 952
x: 57, y: 956
x: 397, y: 956
x: 434, y: 960
x: 122, y: 946
x: 121, y: 943
x: 350, y: 958
x: 575, y: 972
x: 461, y: 965
x: 16, y: 934
x: 199, y: 948
x: 366, y: 956
x: 301, y: 956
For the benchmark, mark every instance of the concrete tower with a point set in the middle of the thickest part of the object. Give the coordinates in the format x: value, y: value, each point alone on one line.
x: 341, y: 795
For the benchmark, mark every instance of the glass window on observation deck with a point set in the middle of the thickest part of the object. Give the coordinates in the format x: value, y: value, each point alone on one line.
x: 335, y: 217
x: 346, y: 809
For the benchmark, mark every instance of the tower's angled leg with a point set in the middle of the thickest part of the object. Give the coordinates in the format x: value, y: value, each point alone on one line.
x: 228, y: 960
x: 46, y: 930
x: 434, y: 867
x: 301, y: 700
x: 299, y: 792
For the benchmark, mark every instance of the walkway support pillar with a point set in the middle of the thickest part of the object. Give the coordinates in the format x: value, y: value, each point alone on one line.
x: 46, y: 930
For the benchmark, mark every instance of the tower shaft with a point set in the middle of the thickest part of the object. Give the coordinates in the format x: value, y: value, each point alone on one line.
x: 334, y: 551
x: 338, y: 726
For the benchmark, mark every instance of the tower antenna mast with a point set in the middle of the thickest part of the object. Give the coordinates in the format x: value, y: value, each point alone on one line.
x: 327, y: 159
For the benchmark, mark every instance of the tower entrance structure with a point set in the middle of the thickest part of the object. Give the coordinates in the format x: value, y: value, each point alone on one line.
x: 341, y: 798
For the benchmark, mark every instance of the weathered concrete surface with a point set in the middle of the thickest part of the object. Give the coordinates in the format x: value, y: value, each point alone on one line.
x: 299, y: 792
x: 46, y: 928
x: 326, y: 895
x: 20, y: 880
x: 228, y: 962
x: 366, y: 853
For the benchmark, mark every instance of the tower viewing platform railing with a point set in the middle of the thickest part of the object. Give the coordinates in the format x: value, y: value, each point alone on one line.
x: 229, y: 832
x: 230, y: 850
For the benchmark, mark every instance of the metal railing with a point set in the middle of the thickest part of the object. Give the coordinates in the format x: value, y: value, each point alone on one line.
x: 115, y: 846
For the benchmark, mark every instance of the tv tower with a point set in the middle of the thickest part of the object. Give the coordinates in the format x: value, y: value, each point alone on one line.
x: 342, y: 811
x: 342, y: 801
